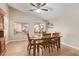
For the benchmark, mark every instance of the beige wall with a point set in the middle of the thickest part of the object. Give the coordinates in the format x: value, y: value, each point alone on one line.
x: 18, y: 16
x: 68, y: 25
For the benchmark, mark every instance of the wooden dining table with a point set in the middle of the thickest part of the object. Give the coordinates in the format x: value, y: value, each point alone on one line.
x: 35, y: 39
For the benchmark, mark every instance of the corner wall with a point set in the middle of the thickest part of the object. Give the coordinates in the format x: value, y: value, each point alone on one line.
x: 18, y: 16
x: 68, y: 24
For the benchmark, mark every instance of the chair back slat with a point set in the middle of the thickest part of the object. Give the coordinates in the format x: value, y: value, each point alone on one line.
x: 56, y: 34
x: 47, y: 34
x: 29, y: 40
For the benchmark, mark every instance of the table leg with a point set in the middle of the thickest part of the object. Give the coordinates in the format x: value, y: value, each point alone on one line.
x: 34, y: 48
x: 58, y: 42
x: 38, y: 49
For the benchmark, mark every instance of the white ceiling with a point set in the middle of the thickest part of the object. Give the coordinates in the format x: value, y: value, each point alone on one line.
x: 54, y: 10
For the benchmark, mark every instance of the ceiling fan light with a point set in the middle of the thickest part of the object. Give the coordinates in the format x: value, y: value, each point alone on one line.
x: 38, y: 10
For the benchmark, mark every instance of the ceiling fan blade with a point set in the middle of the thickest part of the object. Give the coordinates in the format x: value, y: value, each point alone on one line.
x: 43, y: 4
x: 32, y: 9
x: 38, y: 4
x: 33, y: 4
x: 45, y: 9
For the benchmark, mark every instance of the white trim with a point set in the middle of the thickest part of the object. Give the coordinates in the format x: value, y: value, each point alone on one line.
x: 16, y: 40
x: 70, y: 45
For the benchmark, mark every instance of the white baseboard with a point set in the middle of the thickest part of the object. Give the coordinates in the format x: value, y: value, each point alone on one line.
x: 16, y: 40
x: 70, y: 45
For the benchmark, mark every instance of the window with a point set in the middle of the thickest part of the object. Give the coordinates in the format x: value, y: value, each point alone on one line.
x: 39, y: 28
x: 20, y: 27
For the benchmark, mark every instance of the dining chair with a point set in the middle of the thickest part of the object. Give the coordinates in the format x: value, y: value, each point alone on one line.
x: 31, y: 45
x: 56, y: 36
x: 46, y: 34
x: 47, y: 43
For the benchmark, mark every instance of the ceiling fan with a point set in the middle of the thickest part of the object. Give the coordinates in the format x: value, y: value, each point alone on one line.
x: 38, y: 7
